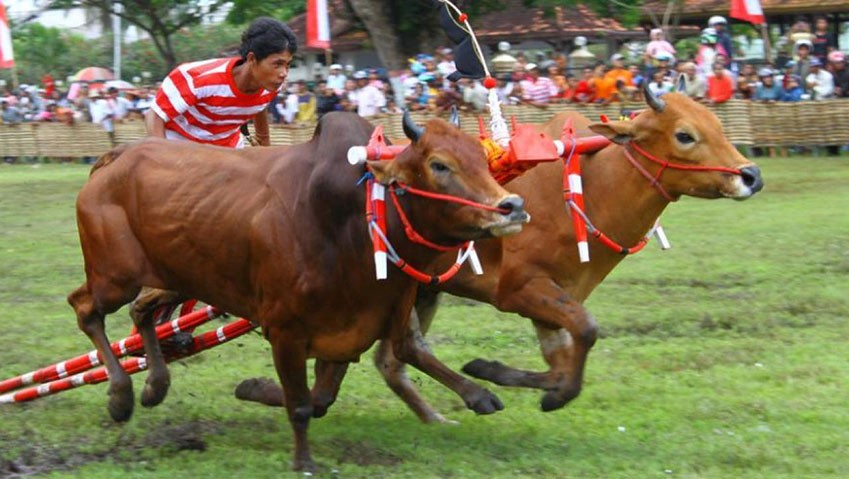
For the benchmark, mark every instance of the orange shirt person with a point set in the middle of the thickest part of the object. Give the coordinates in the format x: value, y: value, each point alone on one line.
x: 720, y: 87
x: 605, y: 88
x: 618, y: 73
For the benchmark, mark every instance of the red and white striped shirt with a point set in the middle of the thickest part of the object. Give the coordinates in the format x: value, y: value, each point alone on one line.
x: 200, y: 102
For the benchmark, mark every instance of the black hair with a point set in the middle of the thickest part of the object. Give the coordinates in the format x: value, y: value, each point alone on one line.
x: 266, y: 36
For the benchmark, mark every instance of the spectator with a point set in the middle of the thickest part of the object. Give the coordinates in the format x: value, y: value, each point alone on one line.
x: 327, y: 99
x: 706, y: 54
x: 724, y: 44
x: 554, y: 73
x: 802, y: 60
x: 747, y: 81
x: 474, y: 94
x: 637, y: 75
x: 617, y: 73
x: 604, y: 87
x: 695, y: 86
x: 567, y: 94
x: 819, y: 81
x: 120, y: 106
x: 306, y: 103
x: 538, y: 90
x: 837, y: 63
x: 664, y: 60
x: 369, y: 99
x: 768, y: 89
x: 446, y: 66
x: 336, y: 79
x: 658, y: 44
x: 11, y: 114
x: 659, y: 85
x: 720, y: 87
x: 392, y: 108
x: 823, y: 41
x: 585, y: 91
x: 792, y: 88
x: 504, y: 89
x: 800, y: 32
x: 102, y: 113
x: 418, y: 98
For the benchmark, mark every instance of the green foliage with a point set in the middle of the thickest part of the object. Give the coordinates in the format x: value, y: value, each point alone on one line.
x: 39, y: 50
x: 245, y: 11
x: 723, y: 357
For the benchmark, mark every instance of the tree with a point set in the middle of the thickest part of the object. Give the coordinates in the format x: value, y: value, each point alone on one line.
x: 161, y: 19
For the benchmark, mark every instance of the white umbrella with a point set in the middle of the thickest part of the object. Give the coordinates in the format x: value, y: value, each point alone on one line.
x: 119, y: 84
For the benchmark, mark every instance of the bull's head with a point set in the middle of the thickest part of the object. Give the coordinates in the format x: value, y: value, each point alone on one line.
x: 681, y: 131
x: 442, y: 159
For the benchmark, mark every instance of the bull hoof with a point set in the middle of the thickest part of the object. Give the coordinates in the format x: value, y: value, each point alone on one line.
x: 480, y: 368
x: 553, y: 400
x: 120, y: 405
x: 262, y: 390
x: 154, y: 391
x: 484, y: 402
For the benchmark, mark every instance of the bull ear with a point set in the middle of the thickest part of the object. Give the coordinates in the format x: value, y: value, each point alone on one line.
x: 386, y: 172
x: 681, y: 84
x: 620, y: 132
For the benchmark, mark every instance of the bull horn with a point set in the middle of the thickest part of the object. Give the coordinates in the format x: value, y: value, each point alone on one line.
x: 654, y: 102
x: 455, y: 116
x: 413, y: 131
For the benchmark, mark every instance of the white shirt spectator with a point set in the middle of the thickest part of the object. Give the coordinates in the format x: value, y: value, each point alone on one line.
x: 369, y: 100
x: 821, y: 84
x: 102, y: 113
x: 337, y: 82
x: 289, y: 108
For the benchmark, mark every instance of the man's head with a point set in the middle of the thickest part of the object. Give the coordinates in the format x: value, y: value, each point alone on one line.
x: 268, y: 47
x: 719, y: 69
x: 532, y: 69
x: 837, y: 59
x: 689, y: 69
x: 803, y: 48
x: 815, y: 64
x: 718, y: 22
x: 616, y: 60
x: 821, y: 24
x: 766, y: 75
x: 335, y: 69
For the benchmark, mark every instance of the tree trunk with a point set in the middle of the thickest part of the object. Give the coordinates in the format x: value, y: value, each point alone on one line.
x: 377, y: 21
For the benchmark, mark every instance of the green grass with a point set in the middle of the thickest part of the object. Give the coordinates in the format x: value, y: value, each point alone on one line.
x: 724, y: 357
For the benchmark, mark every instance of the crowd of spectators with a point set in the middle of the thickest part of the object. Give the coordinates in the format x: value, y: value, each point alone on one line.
x: 814, y: 70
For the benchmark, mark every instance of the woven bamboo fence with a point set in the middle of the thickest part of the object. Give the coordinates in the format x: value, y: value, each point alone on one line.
x: 745, y: 123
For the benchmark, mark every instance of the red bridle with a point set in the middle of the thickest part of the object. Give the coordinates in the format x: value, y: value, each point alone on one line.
x: 376, y: 218
x: 573, y: 194
x: 654, y: 180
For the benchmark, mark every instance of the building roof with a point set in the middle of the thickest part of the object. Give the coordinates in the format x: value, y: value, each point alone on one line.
x: 705, y: 8
x: 516, y: 22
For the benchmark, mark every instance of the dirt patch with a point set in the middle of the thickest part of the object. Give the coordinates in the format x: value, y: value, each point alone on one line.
x: 30, y: 457
x: 362, y: 454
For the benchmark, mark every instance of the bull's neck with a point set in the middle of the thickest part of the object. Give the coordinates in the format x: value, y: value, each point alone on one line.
x: 619, y: 200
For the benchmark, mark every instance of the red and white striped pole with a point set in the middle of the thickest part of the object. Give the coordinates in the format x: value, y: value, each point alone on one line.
x: 121, y: 348
x: 200, y: 343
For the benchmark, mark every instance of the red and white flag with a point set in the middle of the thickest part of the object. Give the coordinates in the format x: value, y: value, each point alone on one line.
x: 748, y: 11
x: 7, y: 59
x: 318, y: 24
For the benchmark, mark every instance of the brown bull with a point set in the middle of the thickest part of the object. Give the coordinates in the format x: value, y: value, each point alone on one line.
x: 279, y: 236
x: 537, y: 274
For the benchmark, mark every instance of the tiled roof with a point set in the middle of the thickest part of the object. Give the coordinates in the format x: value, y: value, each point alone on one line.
x: 517, y: 22
x: 701, y: 8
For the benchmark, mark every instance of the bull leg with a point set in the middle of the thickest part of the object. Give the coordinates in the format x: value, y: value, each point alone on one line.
x: 410, y: 347
x: 394, y: 371
x: 290, y: 359
x: 90, y: 319
x: 143, y: 309
x: 565, y: 351
x: 328, y: 381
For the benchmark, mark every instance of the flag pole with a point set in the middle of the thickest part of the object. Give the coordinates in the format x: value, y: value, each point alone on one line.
x: 767, y: 46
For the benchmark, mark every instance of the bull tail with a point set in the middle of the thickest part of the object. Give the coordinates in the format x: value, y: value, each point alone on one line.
x: 107, y: 158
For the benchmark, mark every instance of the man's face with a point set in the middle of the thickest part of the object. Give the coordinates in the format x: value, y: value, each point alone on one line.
x: 719, y: 70
x: 804, y: 51
x: 271, y: 72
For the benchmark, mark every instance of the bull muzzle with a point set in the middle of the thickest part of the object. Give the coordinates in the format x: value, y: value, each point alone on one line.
x: 512, y: 216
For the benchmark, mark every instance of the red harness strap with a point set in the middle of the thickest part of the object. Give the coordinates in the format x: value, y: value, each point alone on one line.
x: 383, y: 250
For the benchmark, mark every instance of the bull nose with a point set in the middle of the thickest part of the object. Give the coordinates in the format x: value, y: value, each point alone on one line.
x: 513, y: 204
x: 752, y: 178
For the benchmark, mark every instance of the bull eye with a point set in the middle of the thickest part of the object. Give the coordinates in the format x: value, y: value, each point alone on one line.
x: 439, y: 167
x: 684, y: 138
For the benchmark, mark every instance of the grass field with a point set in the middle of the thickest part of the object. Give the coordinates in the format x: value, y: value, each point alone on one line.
x: 724, y: 357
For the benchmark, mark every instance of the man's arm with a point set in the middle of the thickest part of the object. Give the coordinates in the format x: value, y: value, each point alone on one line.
x: 261, y: 128
x: 154, y: 124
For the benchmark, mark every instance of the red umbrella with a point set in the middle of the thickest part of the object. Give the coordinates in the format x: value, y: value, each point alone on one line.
x: 92, y: 74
